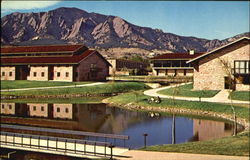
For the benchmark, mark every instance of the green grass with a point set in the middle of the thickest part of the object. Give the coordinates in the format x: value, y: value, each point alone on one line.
x: 241, y: 95
x: 57, y: 100
x: 234, y: 146
x: 116, y: 87
x: 141, y: 100
x: 32, y: 84
x: 186, y: 90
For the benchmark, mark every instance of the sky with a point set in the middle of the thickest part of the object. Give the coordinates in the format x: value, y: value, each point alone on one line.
x: 202, y: 19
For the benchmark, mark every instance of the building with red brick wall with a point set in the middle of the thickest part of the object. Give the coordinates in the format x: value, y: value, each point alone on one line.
x: 173, y: 64
x: 53, y: 63
x: 227, y: 67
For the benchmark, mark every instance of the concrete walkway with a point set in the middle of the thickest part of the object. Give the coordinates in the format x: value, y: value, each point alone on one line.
x: 147, y: 155
x: 54, y: 87
x: 221, y: 97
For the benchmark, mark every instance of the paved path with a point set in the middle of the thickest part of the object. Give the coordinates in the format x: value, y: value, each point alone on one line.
x: 221, y: 97
x: 147, y: 155
x: 54, y: 87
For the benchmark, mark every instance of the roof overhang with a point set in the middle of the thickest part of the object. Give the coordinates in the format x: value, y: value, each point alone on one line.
x: 217, y: 49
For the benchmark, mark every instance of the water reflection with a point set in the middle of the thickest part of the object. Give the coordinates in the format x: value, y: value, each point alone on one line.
x: 102, y: 119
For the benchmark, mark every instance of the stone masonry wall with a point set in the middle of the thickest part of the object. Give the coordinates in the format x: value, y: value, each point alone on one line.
x: 210, y: 73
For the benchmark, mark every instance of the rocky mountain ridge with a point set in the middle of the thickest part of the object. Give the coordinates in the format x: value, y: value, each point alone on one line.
x: 72, y: 25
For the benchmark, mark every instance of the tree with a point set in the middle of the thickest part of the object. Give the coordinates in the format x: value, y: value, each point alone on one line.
x: 231, y: 82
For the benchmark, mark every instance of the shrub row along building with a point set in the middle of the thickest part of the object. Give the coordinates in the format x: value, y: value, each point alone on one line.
x: 53, y: 63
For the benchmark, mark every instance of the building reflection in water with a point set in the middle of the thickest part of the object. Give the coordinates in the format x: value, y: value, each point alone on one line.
x: 206, y: 129
x: 102, y: 119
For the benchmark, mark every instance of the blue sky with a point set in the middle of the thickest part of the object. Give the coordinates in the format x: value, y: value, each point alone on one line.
x: 205, y: 19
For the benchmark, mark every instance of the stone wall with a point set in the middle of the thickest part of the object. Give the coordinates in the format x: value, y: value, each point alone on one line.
x: 38, y: 73
x: 242, y: 87
x: 210, y: 73
x: 8, y: 73
x: 63, y: 73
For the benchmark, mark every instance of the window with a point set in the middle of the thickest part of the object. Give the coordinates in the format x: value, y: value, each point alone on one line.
x: 42, y: 74
x: 34, y: 108
x: 2, y: 106
x: 3, y: 73
x: 34, y: 74
x: 10, y: 74
x: 66, y: 110
x: 58, y: 74
x: 67, y: 74
x: 58, y: 109
x: 10, y: 107
x: 42, y: 108
x: 241, y: 67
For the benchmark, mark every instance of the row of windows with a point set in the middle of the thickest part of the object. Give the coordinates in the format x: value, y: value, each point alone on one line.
x: 58, y: 74
x: 10, y: 74
x: 3, y: 106
x: 57, y: 109
x: 173, y: 63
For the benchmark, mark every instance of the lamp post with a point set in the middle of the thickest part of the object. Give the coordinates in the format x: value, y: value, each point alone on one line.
x: 145, y: 139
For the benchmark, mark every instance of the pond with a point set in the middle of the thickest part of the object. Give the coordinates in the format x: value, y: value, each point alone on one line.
x: 160, y: 128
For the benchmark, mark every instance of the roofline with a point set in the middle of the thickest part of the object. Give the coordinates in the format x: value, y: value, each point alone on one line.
x: 80, y: 46
x: 214, y: 50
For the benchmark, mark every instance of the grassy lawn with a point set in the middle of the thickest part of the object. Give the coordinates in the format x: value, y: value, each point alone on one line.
x: 57, y: 100
x: 117, y: 87
x: 238, y: 145
x: 241, y: 95
x: 140, y: 99
x: 234, y: 146
x: 32, y: 84
x: 186, y: 90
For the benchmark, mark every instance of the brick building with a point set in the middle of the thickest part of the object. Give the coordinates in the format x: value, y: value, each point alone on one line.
x: 53, y: 63
x: 173, y: 64
x: 227, y: 67
x: 126, y: 67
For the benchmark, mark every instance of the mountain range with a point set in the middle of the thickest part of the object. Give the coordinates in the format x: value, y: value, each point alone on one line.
x: 73, y: 25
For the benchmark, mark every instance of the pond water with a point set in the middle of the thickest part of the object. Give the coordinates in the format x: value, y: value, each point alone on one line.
x: 161, y: 128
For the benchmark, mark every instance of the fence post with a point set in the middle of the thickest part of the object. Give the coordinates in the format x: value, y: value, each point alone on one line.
x: 75, y: 146
x: 84, y: 147
x: 30, y: 141
x: 13, y: 139
x: 56, y: 143
x: 39, y: 141
x: 95, y: 148
x: 22, y: 140
x: 111, y: 151
x: 65, y: 145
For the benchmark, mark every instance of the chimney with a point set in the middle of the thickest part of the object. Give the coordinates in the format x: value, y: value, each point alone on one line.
x: 191, y: 52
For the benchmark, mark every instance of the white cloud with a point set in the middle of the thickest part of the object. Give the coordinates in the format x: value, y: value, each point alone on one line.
x: 23, y: 5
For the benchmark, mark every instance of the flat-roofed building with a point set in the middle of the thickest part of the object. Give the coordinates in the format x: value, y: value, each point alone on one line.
x: 173, y: 64
x: 53, y: 63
